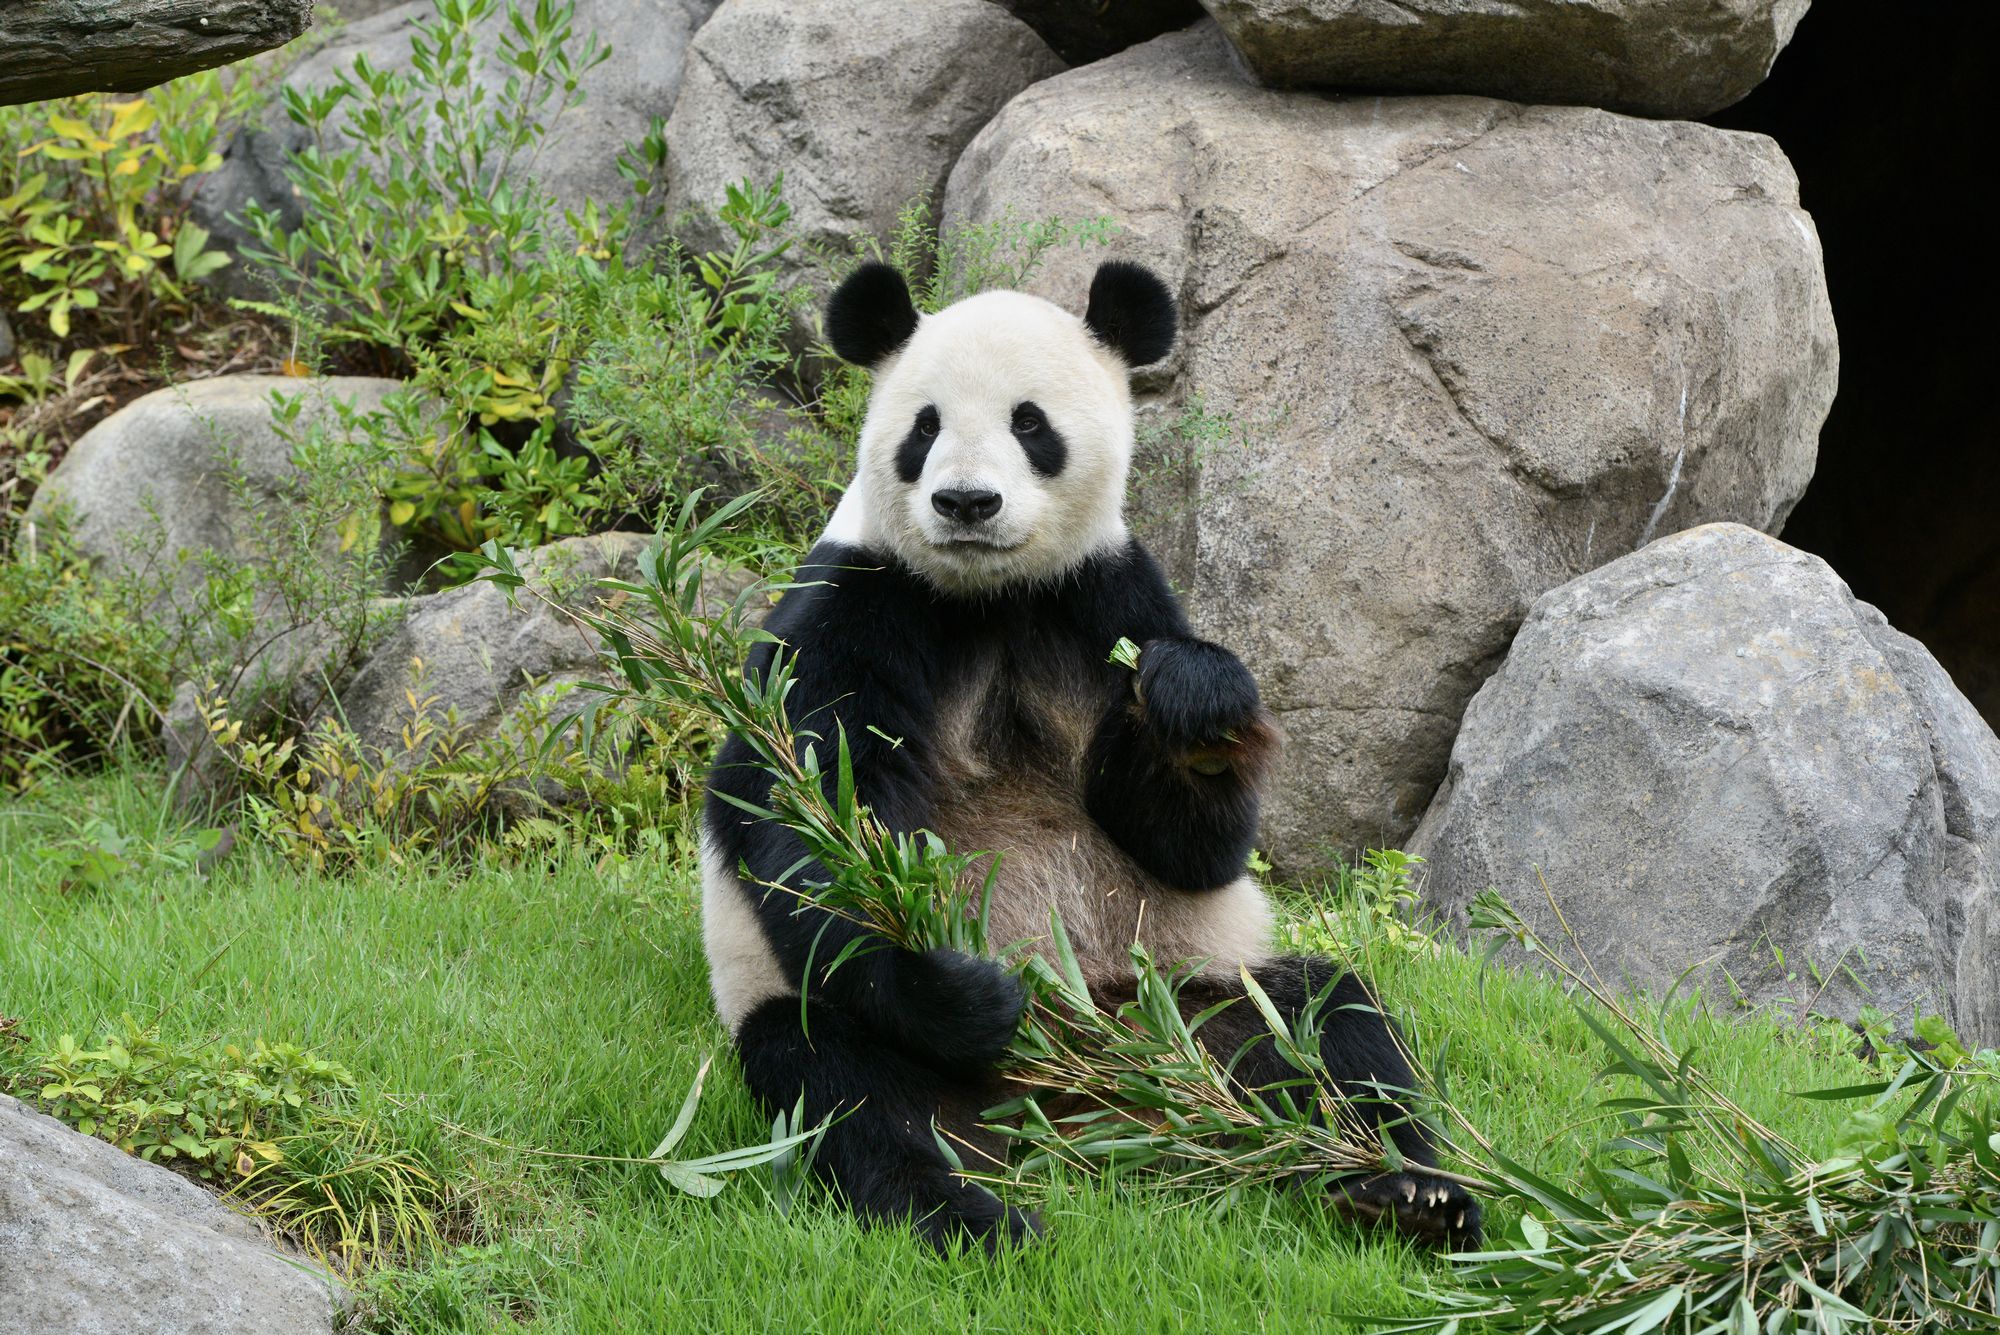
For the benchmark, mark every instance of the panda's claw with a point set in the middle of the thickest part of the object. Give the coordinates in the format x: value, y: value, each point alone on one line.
x: 1442, y: 1213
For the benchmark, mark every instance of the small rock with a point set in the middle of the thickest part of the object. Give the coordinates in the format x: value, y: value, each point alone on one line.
x: 482, y: 658
x: 1684, y: 58
x: 6, y: 338
x: 1712, y: 753
x: 96, y: 1242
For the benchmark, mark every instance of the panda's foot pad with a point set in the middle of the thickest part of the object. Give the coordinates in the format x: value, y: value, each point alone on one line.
x: 1432, y: 1209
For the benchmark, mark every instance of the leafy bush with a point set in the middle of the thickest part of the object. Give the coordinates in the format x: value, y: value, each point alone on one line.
x: 274, y: 1125
x: 82, y: 665
x: 96, y: 855
x: 417, y: 188
x: 93, y: 206
x: 327, y: 799
x: 1373, y: 904
x: 660, y: 361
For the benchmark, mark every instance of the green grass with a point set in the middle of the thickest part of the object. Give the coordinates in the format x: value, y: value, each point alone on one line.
x: 565, y: 1008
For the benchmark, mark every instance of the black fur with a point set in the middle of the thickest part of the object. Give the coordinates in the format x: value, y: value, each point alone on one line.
x: 899, y: 1038
x: 870, y: 315
x: 881, y: 1155
x: 1047, y: 451
x: 1131, y: 312
x: 915, y: 447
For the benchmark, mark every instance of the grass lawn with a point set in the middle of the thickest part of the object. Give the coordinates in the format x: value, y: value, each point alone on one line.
x: 565, y: 1008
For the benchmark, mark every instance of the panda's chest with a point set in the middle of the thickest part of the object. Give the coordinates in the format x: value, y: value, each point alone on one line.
x: 1012, y: 741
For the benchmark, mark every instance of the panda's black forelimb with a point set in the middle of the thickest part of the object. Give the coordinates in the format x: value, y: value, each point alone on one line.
x: 879, y: 1150
x: 1174, y: 770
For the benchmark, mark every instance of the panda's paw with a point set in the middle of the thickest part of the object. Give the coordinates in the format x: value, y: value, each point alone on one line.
x: 1202, y: 704
x: 1433, y: 1209
x: 989, y: 1224
x: 958, y: 1011
x: 1194, y: 692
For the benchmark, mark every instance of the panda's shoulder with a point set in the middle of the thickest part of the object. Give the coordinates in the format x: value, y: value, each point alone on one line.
x: 845, y: 591
x: 1120, y: 585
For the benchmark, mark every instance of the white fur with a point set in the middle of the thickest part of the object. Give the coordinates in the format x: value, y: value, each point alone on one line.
x: 742, y: 969
x: 975, y: 362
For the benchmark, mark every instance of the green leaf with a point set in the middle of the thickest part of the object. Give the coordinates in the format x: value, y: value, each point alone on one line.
x: 686, y: 1116
x: 1656, y: 1312
x: 687, y: 1180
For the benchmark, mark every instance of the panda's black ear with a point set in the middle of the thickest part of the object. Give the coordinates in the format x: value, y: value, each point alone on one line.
x: 1131, y: 311
x: 871, y: 315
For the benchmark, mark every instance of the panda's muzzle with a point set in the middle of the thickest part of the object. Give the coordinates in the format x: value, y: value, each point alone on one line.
x: 963, y: 506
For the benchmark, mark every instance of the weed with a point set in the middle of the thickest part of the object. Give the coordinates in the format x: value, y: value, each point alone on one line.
x: 93, y: 213
x: 273, y: 1125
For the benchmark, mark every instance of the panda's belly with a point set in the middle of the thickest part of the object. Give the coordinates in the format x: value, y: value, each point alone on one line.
x: 1010, y: 759
x: 1054, y: 859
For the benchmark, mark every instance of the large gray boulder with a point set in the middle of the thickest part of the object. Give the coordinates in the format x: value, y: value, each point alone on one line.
x: 578, y: 159
x: 1649, y: 57
x: 193, y: 469
x: 96, y: 1242
x: 1472, y: 350
x: 862, y: 105
x: 1717, y: 758
x: 57, y: 48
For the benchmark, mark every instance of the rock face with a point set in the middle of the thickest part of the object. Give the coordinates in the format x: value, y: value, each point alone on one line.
x: 350, y: 11
x: 578, y: 159
x: 155, y: 482
x: 1081, y: 33
x: 862, y: 104
x: 96, y: 1242
x: 1650, y: 57
x: 479, y: 654
x: 1472, y: 350
x: 1710, y: 750
x: 493, y: 670
x: 59, y: 47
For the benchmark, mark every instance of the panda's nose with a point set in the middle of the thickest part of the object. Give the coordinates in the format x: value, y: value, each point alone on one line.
x: 965, y: 507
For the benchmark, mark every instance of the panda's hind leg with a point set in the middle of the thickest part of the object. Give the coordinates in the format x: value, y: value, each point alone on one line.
x: 879, y: 1152
x: 1365, y: 1056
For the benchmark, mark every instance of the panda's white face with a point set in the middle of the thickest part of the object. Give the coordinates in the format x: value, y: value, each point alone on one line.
x: 995, y: 448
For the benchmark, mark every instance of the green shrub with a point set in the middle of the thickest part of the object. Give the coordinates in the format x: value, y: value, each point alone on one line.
x: 274, y: 1125
x: 325, y: 799
x: 429, y: 195
x: 93, y: 205
x: 82, y: 665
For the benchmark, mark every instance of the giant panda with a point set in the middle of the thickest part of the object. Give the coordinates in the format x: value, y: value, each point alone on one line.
x: 956, y: 618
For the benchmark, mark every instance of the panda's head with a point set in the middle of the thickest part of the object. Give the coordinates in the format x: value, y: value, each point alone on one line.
x: 999, y: 430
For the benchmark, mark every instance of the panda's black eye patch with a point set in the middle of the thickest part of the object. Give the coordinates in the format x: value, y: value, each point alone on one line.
x: 916, y: 446
x: 1045, y: 448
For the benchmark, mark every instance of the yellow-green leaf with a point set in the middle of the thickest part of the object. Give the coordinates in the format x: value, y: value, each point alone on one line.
x: 130, y: 118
